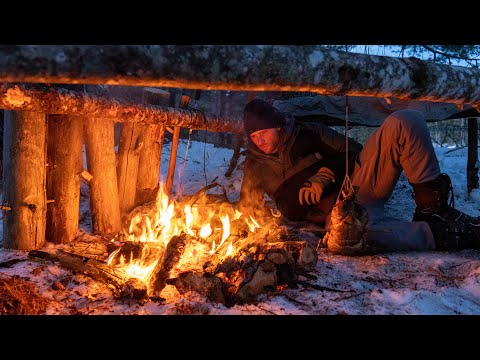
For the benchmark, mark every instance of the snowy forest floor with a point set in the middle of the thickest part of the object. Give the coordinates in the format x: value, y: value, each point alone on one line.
x: 392, y: 283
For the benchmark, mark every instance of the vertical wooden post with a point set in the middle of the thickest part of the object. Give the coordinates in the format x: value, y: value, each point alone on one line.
x: 24, y: 160
x: 99, y: 140
x: 472, y: 161
x: 150, y: 161
x: 151, y: 153
x: 174, y: 149
x: 173, y: 160
x: 64, y: 153
x: 240, y: 141
x: 129, y: 149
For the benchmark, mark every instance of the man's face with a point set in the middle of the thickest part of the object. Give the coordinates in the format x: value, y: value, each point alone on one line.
x: 266, y: 140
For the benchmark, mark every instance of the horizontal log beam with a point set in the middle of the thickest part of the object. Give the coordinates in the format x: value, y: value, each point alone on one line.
x: 55, y: 100
x: 242, y: 67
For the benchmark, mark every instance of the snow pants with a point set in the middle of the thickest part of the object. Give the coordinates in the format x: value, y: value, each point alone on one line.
x: 401, y: 143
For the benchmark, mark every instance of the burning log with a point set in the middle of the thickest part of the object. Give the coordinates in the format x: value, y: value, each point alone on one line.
x: 122, y: 284
x: 264, y: 277
x: 210, y: 249
x: 170, y: 258
x: 304, y: 255
x: 147, y: 251
x: 249, y: 272
x: 208, y: 286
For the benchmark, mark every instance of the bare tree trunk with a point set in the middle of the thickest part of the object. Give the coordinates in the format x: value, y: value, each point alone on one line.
x: 65, y: 140
x: 472, y: 161
x: 173, y: 160
x: 24, y: 160
x: 184, y: 100
x: 104, y: 202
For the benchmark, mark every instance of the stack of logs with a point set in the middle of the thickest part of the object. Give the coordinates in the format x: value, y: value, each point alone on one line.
x: 263, y: 261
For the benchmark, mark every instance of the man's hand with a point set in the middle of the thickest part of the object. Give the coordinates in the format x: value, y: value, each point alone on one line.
x: 312, y: 189
x: 310, y: 193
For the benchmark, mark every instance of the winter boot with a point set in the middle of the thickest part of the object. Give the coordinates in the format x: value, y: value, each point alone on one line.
x: 451, y: 228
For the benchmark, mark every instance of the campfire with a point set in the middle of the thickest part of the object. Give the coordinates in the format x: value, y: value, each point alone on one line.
x: 201, y: 243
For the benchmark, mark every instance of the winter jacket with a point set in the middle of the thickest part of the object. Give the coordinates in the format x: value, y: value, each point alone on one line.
x: 304, y: 148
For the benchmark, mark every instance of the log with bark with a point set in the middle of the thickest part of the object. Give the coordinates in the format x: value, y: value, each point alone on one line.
x: 257, y: 266
x: 171, y: 257
x: 208, y: 286
x: 249, y: 272
x: 123, y: 286
x: 24, y: 178
x: 56, y: 100
x: 229, y: 67
x: 148, y: 252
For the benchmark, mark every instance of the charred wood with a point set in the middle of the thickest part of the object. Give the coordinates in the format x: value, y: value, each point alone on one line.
x: 147, y: 251
x: 208, y: 286
x: 264, y: 278
x: 304, y: 255
x: 171, y: 256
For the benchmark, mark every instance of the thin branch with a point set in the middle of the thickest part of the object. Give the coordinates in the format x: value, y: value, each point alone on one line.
x: 10, y: 263
x: 449, y: 56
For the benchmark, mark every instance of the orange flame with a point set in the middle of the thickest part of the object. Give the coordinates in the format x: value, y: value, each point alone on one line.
x: 166, y: 220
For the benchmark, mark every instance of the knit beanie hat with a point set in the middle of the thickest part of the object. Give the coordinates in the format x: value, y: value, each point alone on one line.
x: 259, y: 114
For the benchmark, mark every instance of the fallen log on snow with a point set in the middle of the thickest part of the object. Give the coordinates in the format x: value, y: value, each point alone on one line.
x: 124, y: 287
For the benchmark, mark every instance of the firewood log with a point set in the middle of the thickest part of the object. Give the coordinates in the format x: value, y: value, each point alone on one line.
x: 147, y: 251
x: 304, y: 254
x: 208, y: 286
x: 264, y: 277
x: 171, y: 256
x: 123, y: 286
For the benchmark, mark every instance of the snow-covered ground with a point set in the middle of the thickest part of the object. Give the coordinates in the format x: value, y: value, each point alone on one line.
x: 393, y: 283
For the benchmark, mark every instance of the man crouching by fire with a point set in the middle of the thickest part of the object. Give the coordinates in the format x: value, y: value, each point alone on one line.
x: 302, y: 167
